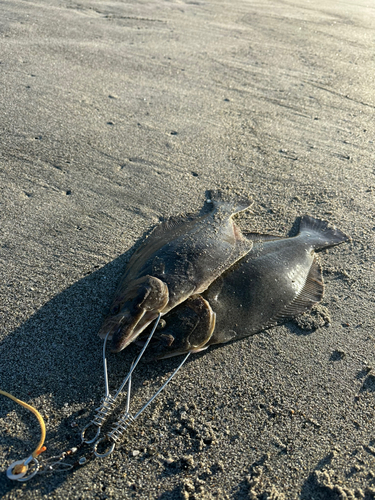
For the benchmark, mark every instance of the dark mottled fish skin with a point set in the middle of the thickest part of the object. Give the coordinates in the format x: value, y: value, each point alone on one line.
x: 278, y: 280
x: 180, y: 258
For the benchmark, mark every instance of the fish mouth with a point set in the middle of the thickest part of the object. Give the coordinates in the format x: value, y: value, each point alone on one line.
x: 129, y: 330
x: 140, y: 304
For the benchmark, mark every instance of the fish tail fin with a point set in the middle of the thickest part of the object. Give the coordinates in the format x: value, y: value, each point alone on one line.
x: 229, y: 201
x: 320, y: 235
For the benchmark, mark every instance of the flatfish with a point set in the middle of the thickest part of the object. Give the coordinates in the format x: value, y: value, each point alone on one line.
x: 181, y: 257
x: 278, y: 280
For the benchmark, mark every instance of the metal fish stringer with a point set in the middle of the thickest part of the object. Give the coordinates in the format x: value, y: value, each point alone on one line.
x: 127, y: 418
x: 23, y: 470
x: 108, y: 403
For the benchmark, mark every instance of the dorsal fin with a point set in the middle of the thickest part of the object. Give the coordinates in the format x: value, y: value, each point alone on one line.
x: 229, y: 202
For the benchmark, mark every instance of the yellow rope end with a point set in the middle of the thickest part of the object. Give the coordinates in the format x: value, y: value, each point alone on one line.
x: 40, y: 448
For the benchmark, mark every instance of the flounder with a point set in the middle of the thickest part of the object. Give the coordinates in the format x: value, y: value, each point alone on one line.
x: 278, y: 280
x: 181, y: 257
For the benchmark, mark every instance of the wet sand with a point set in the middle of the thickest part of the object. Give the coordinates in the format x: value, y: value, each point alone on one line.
x: 115, y: 115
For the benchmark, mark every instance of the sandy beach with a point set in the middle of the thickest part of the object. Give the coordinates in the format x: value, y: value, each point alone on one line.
x: 116, y: 115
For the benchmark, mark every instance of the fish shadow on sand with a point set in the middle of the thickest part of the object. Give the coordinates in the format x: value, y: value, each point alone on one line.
x: 55, y: 360
x: 56, y: 357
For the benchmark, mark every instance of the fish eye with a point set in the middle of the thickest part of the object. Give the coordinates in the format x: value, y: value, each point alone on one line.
x: 115, y: 309
x: 162, y: 324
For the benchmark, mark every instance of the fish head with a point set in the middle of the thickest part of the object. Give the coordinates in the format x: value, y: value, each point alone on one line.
x: 135, y: 305
x: 186, y: 328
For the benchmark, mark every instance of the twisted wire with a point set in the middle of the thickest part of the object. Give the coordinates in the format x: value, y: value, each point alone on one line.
x: 107, y: 405
x: 120, y: 427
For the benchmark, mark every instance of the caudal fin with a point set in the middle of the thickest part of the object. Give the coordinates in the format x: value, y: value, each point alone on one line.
x: 320, y: 234
x: 229, y: 201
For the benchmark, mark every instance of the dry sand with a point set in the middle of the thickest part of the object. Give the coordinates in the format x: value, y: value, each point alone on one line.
x: 117, y: 114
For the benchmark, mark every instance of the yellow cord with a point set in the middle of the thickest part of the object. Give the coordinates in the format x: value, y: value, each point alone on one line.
x: 40, y: 448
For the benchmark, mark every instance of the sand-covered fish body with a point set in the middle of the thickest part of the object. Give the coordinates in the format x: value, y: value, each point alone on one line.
x: 278, y: 280
x: 180, y: 258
